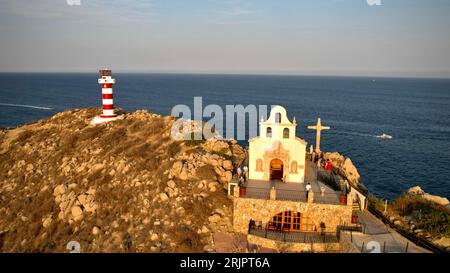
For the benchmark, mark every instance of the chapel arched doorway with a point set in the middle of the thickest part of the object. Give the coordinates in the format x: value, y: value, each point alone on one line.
x: 276, y: 169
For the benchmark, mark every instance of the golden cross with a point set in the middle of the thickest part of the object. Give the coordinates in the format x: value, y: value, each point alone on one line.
x: 319, y: 128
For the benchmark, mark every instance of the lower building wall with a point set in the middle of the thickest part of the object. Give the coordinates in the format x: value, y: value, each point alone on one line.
x: 347, y: 245
x: 293, y: 247
x: 246, y: 209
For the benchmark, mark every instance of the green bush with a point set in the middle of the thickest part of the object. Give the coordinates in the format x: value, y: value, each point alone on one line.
x: 430, y: 217
x: 375, y: 202
x: 407, y: 204
x: 435, y: 222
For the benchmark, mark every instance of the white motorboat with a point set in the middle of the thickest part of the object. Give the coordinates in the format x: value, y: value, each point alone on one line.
x: 385, y: 136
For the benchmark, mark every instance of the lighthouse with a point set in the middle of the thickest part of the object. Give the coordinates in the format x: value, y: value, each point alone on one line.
x: 106, y: 81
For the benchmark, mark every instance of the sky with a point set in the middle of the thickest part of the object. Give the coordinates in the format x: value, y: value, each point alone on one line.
x: 310, y: 37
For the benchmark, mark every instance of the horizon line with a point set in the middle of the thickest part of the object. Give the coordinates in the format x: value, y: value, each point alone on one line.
x: 225, y: 73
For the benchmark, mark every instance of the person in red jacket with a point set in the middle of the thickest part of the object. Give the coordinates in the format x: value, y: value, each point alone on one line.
x: 329, y: 166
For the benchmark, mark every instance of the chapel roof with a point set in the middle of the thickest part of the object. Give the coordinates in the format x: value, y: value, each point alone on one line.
x: 282, y: 116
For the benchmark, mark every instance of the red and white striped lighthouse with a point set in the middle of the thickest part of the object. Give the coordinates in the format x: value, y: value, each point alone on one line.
x: 106, y: 81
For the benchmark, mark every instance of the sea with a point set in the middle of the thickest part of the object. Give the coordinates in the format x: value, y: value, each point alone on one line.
x: 415, y: 112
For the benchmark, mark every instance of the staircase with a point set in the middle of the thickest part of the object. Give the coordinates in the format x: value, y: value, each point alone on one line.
x: 356, y: 206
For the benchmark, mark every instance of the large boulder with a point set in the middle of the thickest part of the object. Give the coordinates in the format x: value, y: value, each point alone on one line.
x: 444, y: 242
x: 432, y: 198
x: 436, y: 199
x: 227, y: 165
x: 344, y: 167
x: 77, y: 213
x: 217, y: 146
x: 59, y: 190
x: 176, y: 168
x: 417, y: 190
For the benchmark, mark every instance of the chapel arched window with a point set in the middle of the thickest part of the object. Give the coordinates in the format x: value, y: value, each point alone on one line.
x: 286, y: 133
x: 259, y: 165
x: 278, y: 118
x: 269, y: 132
x: 294, y: 167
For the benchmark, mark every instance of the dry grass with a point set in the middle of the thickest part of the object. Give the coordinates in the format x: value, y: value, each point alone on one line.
x: 24, y: 136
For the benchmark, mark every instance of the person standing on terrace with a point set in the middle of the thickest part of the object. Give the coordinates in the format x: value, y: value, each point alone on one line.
x: 329, y: 166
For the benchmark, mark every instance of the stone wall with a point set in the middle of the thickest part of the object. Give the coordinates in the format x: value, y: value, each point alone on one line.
x: 246, y: 209
x: 347, y: 245
x: 293, y: 247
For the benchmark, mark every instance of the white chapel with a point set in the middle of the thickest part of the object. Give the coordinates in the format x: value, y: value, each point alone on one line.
x: 277, y: 154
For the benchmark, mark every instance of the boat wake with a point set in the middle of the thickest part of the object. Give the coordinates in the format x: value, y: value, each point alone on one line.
x: 25, y: 106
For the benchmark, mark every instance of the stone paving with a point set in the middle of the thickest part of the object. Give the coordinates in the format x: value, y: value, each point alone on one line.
x: 291, y: 191
x: 260, y: 189
x: 378, y: 237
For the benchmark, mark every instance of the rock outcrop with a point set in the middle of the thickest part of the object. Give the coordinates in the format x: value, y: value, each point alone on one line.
x: 344, y: 167
x: 433, y: 198
x: 215, y: 159
x: 123, y: 186
x: 443, y: 242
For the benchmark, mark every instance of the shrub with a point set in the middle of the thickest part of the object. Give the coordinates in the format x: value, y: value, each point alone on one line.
x: 173, y: 149
x: 436, y: 222
x: 375, y: 202
x: 431, y: 217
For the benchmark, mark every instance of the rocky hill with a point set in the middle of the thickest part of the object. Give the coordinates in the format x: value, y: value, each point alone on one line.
x: 124, y: 186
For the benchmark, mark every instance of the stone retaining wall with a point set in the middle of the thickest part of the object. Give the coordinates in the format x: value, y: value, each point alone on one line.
x: 293, y: 247
x: 246, y: 209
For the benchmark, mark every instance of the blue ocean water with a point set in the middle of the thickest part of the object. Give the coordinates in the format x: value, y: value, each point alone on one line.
x: 416, y: 112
